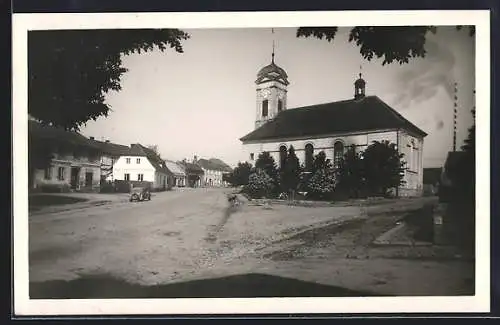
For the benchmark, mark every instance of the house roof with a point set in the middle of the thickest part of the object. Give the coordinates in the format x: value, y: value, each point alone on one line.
x: 214, y: 164
x: 175, y: 168
x: 112, y: 148
x: 432, y: 175
x: 192, y: 168
x: 137, y: 149
x: 58, y: 135
x: 353, y: 115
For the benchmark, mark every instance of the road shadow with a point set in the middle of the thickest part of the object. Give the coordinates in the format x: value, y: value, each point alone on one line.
x: 236, y: 286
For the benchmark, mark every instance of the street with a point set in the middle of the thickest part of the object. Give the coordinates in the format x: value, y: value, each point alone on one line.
x: 193, y: 234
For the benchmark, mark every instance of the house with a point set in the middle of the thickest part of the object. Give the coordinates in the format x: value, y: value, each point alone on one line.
x: 213, y: 171
x: 330, y: 127
x: 180, y: 177
x: 194, y: 173
x: 141, y: 164
x: 110, y: 152
x: 61, y: 160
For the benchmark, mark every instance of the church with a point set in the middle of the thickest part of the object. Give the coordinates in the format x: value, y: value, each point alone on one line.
x: 330, y: 127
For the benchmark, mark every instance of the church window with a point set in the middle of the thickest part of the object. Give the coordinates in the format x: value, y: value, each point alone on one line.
x: 309, y: 156
x: 265, y: 105
x: 338, y: 153
x: 282, y: 156
x: 280, y: 105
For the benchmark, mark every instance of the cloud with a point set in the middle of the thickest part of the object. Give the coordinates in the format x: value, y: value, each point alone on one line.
x: 422, y: 80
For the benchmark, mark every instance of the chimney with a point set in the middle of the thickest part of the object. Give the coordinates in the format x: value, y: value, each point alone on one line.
x: 91, y: 138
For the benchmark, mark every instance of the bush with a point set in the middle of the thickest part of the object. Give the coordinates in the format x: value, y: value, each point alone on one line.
x: 260, y: 185
x: 322, y: 184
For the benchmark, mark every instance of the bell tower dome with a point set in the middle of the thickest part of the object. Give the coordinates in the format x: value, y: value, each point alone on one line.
x: 271, y: 86
x: 359, y: 87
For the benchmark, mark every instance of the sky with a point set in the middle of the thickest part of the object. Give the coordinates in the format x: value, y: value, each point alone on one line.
x: 202, y: 101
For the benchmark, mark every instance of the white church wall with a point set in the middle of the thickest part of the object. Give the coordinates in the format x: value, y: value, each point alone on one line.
x: 413, y: 156
x: 361, y: 141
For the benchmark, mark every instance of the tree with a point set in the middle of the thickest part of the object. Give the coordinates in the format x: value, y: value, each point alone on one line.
x: 322, y: 184
x: 70, y: 71
x: 321, y: 162
x: 391, y: 43
x: 383, y: 167
x: 467, y: 168
x: 351, y: 172
x: 154, y: 148
x: 290, y: 173
x: 240, y: 174
x: 266, y: 163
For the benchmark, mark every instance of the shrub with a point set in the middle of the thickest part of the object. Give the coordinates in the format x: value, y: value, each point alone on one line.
x: 259, y: 185
x: 322, y: 184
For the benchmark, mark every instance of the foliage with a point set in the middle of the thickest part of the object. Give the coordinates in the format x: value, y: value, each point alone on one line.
x: 321, y: 162
x: 350, y: 176
x: 240, y: 175
x: 290, y: 173
x: 322, y: 184
x: 260, y: 185
x: 467, y: 172
x: 266, y: 162
x: 70, y: 71
x: 383, y: 167
x: 391, y: 43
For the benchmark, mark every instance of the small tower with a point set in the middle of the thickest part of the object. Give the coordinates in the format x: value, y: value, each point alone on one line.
x: 271, y: 86
x: 359, y: 87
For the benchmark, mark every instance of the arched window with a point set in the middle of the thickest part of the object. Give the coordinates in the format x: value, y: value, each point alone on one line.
x: 265, y: 105
x: 309, y: 156
x: 338, y: 153
x: 282, y: 155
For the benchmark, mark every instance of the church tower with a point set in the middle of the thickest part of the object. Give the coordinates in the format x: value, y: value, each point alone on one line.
x: 271, y: 86
x: 359, y: 87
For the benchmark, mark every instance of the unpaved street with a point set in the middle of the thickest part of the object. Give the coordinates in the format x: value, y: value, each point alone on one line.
x: 192, y: 234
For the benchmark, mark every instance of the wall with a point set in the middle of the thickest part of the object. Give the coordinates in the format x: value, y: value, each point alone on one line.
x: 120, y: 168
x: 214, y: 175
x: 414, y: 175
x: 361, y: 141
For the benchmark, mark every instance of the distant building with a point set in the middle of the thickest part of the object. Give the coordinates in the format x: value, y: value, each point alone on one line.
x: 141, y: 164
x: 213, y: 171
x: 110, y: 152
x: 329, y: 127
x: 194, y: 173
x: 180, y: 177
x: 70, y: 161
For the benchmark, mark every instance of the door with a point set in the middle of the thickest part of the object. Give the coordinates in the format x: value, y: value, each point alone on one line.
x: 75, y: 173
x: 88, y: 179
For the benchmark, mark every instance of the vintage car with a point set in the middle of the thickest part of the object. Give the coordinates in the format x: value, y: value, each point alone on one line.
x: 140, y: 194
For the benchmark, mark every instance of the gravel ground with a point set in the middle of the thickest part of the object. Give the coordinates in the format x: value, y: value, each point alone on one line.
x: 185, y: 235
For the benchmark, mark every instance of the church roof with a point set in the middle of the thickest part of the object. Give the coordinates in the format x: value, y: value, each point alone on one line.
x: 367, y: 114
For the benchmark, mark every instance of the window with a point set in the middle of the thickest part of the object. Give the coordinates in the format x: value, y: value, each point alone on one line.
x: 140, y: 177
x: 282, y: 156
x: 265, y: 106
x: 338, y: 153
x: 60, y: 173
x: 280, y: 105
x: 126, y: 177
x: 309, y: 156
x: 251, y: 156
x: 138, y: 160
x: 48, y: 173
x: 127, y: 160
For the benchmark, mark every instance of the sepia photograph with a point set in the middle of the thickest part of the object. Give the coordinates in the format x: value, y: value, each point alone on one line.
x: 184, y: 161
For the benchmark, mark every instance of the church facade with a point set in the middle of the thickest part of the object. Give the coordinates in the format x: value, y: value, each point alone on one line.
x: 330, y: 127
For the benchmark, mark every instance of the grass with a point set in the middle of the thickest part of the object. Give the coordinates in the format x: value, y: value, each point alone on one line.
x: 36, y: 202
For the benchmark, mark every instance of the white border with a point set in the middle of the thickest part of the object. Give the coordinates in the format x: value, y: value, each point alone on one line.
x: 24, y: 22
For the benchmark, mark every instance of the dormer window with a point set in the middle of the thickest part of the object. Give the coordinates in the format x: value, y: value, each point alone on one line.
x: 265, y: 107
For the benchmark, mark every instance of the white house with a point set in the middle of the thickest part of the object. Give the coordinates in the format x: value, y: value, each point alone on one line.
x: 141, y: 164
x: 213, y: 170
x: 110, y: 152
x: 330, y: 127
x: 180, y: 177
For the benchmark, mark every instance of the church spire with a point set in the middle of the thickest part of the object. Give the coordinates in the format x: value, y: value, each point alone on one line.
x: 272, y: 57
